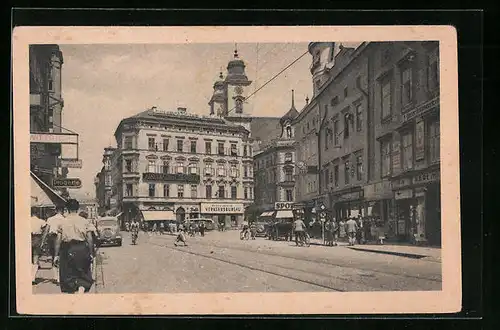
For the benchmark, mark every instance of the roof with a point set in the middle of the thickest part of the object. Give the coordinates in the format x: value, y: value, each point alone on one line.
x: 265, y: 129
x: 291, y: 114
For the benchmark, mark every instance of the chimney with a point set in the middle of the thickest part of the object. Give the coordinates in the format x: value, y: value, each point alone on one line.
x: 180, y: 109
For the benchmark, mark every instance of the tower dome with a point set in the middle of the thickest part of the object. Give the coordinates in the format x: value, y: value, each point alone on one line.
x: 236, y: 71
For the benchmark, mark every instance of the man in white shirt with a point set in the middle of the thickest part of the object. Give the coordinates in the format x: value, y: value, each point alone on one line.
x: 50, y: 235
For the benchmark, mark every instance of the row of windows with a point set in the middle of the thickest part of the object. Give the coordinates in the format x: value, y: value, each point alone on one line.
x: 209, y: 193
x: 408, y: 85
x: 179, y: 168
x: 350, y: 171
x: 180, y: 147
x: 272, y: 176
x: 269, y: 197
x: 350, y: 123
x: 399, y: 155
x: 270, y: 161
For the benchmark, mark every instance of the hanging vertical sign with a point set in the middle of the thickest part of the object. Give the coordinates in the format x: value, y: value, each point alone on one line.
x: 396, y: 154
x: 419, y: 140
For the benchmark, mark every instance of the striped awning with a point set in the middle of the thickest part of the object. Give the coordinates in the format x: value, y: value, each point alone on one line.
x: 282, y: 214
x: 158, y: 215
x: 42, y: 195
x: 267, y: 214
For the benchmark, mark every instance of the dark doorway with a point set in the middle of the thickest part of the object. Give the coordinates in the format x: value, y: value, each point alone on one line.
x: 180, y: 214
x: 433, y: 215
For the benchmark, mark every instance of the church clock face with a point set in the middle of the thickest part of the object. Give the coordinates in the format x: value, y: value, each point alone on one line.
x: 238, y: 90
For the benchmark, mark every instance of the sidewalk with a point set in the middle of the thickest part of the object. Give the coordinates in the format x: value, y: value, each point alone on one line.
x: 408, y: 251
x: 415, y: 252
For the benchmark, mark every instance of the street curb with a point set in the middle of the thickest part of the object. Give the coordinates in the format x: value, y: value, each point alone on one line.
x: 399, y: 254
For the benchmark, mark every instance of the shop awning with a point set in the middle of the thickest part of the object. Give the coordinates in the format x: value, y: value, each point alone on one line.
x: 158, y: 215
x: 267, y: 214
x: 42, y: 195
x: 281, y: 214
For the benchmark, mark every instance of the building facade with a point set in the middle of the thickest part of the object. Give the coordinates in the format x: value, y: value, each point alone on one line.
x: 274, y: 167
x: 185, y: 164
x: 104, y: 183
x: 46, y: 105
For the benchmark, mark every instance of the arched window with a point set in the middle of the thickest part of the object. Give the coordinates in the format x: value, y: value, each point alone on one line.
x: 239, y: 106
x: 288, y: 132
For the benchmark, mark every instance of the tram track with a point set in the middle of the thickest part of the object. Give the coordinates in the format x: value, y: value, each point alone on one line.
x: 321, y: 261
x: 263, y: 270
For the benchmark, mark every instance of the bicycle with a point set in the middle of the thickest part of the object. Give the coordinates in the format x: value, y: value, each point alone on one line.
x: 304, y: 240
x: 245, y: 235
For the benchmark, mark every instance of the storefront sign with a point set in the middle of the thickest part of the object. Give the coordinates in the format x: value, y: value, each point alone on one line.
x: 351, y: 196
x: 60, y: 138
x: 426, y: 107
x: 379, y: 190
x: 426, y: 177
x: 67, y: 183
x: 283, y: 206
x: 70, y: 163
x: 404, y: 194
x: 420, y: 140
x: 172, y: 177
x: 401, y: 183
x: 211, y: 208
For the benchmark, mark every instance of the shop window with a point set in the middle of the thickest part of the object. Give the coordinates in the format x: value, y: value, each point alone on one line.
x: 359, y: 118
x: 289, y: 195
x: 193, y: 147
x: 406, y: 86
x: 151, y: 143
x: 194, y: 191
x: 152, y: 190
x: 208, y: 147
x: 434, y: 141
x: 180, y: 144
x: 233, y: 192
x: 386, y: 98
x: 386, y: 157
x: 359, y: 168
x: 347, y: 175
x: 221, y: 192
x: 208, y: 191
x: 180, y: 191
x: 407, y: 151
x: 166, y: 190
x: 165, y: 144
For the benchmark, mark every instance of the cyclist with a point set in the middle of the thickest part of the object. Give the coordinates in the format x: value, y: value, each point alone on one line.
x: 253, y: 230
x: 244, y: 230
x: 299, y: 228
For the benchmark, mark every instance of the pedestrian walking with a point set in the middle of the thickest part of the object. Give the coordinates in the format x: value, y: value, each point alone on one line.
x: 75, y: 252
x: 335, y: 229
x: 37, y: 226
x: 202, y: 228
x: 162, y: 228
x: 154, y: 231
x: 342, y: 231
x: 328, y: 233
x: 181, y: 236
x: 352, y: 228
x: 49, y: 237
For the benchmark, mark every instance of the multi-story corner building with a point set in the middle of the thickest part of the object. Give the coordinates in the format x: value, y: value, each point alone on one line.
x: 184, y: 165
x: 406, y: 134
x: 104, y: 183
x: 46, y: 104
x: 274, y: 166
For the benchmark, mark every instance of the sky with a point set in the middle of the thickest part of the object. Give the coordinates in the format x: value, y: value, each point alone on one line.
x: 102, y: 84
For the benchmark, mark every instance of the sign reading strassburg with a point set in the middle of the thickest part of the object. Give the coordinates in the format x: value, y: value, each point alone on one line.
x: 176, y: 177
x: 67, y: 183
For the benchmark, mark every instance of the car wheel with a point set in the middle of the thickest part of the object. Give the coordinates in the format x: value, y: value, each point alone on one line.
x: 120, y: 243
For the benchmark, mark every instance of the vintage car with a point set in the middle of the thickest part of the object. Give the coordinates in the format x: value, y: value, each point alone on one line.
x: 209, y: 223
x: 281, y: 229
x: 108, y: 231
x: 262, y: 227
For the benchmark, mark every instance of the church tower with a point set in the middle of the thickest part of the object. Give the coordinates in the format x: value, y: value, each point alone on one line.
x: 218, y: 102
x: 287, y: 131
